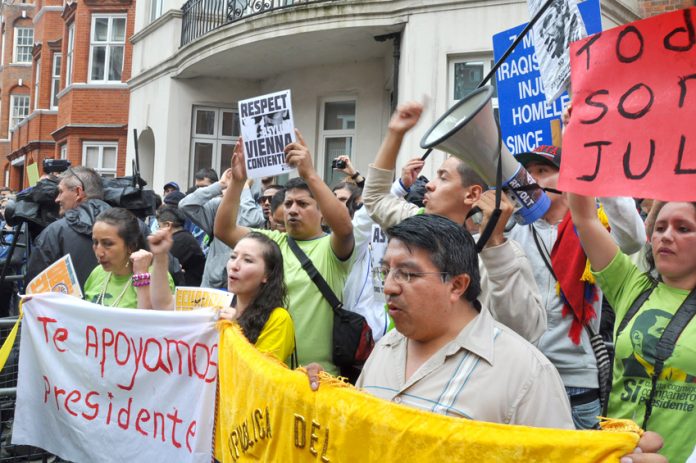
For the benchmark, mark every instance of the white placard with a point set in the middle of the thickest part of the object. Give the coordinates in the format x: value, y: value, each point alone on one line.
x: 101, y: 384
x: 560, y: 25
x: 267, y: 127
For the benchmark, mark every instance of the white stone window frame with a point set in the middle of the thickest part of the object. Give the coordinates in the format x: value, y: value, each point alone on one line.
x: 23, y: 45
x: 485, y: 59
x: 70, y: 52
x: 56, y: 63
x: 64, y: 151
x: 324, y: 158
x: 217, y: 140
x: 156, y: 7
x: 109, y: 45
x: 37, y: 83
x: 100, y: 168
x: 17, y: 104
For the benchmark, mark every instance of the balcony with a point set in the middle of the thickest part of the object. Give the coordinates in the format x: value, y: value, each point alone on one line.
x: 203, y: 16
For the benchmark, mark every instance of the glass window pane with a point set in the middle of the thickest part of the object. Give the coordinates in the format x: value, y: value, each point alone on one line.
x: 205, y: 123
x: 202, y: 155
x: 225, y: 157
x: 57, y: 58
x: 109, y: 158
x: 118, y: 30
x: 466, y: 78
x: 116, y: 62
x: 339, y: 115
x: 98, y: 58
x: 230, y: 124
x: 101, y: 29
x: 92, y: 157
x: 334, y: 147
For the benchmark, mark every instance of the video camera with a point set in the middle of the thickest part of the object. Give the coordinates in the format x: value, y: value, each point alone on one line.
x: 57, y: 166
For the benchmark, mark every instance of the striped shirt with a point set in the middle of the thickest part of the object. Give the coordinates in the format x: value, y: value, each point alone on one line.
x: 487, y: 373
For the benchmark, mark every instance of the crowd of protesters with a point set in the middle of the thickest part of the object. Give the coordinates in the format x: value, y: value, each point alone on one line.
x: 502, y: 335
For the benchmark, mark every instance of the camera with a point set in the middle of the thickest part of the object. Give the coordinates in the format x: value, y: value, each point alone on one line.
x: 55, y: 165
x: 338, y: 164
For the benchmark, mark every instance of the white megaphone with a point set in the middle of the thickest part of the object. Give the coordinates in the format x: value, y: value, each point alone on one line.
x: 468, y: 131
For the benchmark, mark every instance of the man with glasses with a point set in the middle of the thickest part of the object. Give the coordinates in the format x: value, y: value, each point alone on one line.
x: 446, y: 355
x: 80, y: 197
x: 265, y: 202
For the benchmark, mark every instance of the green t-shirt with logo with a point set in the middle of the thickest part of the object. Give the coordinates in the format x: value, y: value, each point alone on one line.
x: 674, y: 408
x: 311, y: 314
x: 117, y: 286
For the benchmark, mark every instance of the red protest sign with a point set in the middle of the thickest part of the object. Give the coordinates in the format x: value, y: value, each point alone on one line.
x: 633, y: 126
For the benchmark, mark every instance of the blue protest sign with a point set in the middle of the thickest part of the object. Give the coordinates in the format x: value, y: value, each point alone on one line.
x: 525, y: 116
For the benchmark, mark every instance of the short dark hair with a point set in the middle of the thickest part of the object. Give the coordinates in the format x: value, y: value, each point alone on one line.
x: 298, y: 183
x: 277, y: 199
x: 206, y: 172
x: 452, y: 249
x: 272, y: 186
x: 168, y: 213
x: 469, y: 177
x: 127, y: 226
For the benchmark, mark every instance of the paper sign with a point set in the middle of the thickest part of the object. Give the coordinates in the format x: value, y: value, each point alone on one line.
x: 525, y: 115
x: 59, y: 277
x: 553, y: 33
x: 189, y: 298
x: 267, y: 127
x: 33, y: 174
x: 101, y: 384
x: 633, y: 134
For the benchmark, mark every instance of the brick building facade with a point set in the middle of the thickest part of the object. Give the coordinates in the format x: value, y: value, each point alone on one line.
x: 76, y: 99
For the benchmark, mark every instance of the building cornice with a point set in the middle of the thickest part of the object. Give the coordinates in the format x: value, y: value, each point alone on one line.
x: 169, y: 15
x: 47, y: 9
x: 115, y: 129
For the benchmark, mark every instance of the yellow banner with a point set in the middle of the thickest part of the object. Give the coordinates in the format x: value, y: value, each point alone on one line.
x: 190, y: 298
x: 268, y: 413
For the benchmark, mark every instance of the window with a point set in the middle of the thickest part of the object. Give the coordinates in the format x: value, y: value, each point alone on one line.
x: 70, y: 50
x: 37, y: 77
x: 55, y: 79
x: 106, y: 48
x: 214, y: 134
x: 100, y: 156
x: 64, y: 151
x: 466, y: 74
x: 337, y: 134
x: 2, y: 51
x: 23, y: 44
x: 19, y: 109
x: 155, y: 9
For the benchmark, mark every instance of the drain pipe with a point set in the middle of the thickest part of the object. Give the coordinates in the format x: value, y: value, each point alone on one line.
x: 396, y: 54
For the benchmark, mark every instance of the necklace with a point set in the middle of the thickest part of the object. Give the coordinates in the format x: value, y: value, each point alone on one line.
x: 100, y: 299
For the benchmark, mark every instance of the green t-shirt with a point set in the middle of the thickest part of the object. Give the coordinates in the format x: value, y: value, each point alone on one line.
x: 117, y: 284
x: 673, y: 415
x: 312, y: 315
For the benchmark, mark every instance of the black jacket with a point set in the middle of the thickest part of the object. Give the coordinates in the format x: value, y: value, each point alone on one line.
x: 71, y: 234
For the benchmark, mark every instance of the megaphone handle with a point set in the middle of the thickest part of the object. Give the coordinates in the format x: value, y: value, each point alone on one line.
x: 495, y: 216
x: 427, y: 153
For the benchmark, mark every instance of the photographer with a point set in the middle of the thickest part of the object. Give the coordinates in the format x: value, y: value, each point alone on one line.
x: 342, y: 164
x: 80, y: 197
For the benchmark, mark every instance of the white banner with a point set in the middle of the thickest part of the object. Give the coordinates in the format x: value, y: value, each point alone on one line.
x: 101, y: 384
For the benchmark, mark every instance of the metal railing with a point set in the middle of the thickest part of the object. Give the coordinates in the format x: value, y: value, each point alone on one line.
x: 8, y: 391
x: 203, y: 16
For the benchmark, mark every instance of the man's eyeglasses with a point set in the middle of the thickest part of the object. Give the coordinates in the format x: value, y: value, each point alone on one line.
x: 71, y: 172
x: 263, y: 199
x: 401, y: 276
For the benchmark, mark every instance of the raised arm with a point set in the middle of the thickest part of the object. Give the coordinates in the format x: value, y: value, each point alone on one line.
x: 160, y: 294
x: 598, y: 244
x: 335, y: 214
x: 627, y: 227
x: 199, y: 207
x: 226, y: 228
x: 385, y: 209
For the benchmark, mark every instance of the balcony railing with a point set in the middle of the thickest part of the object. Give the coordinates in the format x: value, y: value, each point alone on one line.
x: 203, y: 16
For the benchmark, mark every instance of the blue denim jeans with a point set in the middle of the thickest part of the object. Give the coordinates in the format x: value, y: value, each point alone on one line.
x: 584, y: 415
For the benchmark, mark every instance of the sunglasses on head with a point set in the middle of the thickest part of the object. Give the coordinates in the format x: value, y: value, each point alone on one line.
x: 82, y: 184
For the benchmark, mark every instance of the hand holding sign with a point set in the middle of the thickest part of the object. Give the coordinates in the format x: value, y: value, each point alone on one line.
x: 238, y: 171
x: 298, y: 156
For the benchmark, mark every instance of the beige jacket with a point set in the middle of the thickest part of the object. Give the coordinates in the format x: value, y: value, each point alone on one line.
x: 508, y: 287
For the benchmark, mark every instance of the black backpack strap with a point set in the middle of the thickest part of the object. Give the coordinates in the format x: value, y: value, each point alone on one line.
x: 665, y: 346
x: 635, y: 307
x: 315, y: 276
